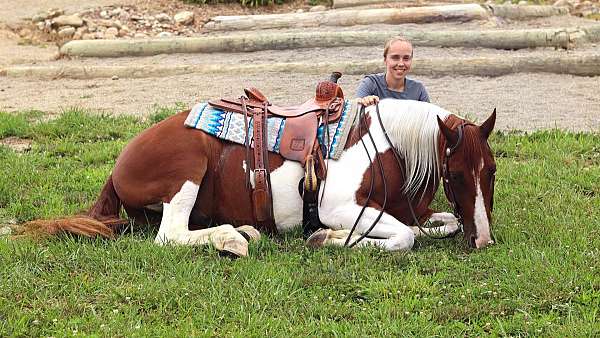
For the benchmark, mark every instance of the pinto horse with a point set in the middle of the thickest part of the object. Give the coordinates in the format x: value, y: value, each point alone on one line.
x: 189, y: 180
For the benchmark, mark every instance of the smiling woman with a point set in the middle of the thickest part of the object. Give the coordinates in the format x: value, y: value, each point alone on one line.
x: 397, y: 57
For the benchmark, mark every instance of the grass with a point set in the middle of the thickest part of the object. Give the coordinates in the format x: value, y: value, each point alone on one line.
x: 541, y: 279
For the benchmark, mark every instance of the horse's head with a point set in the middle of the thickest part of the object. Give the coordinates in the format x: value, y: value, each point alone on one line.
x: 468, y: 170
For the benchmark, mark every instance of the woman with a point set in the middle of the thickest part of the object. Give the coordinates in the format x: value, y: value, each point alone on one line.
x: 397, y: 56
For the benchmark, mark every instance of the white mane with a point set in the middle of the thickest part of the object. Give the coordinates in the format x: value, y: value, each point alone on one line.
x: 413, y: 129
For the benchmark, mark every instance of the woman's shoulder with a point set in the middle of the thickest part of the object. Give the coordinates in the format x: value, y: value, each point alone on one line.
x: 413, y: 82
x: 376, y: 77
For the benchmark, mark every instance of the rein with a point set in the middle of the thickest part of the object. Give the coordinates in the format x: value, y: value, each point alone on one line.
x: 445, y: 176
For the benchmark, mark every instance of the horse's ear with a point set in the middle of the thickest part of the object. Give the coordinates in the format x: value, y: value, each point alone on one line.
x: 450, y: 135
x: 488, y: 125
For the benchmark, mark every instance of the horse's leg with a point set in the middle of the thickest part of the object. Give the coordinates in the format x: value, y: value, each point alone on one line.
x: 444, y: 223
x: 389, y: 233
x: 174, y: 225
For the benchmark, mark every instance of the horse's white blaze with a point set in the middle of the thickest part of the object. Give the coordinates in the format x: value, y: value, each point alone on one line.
x: 480, y: 218
x: 287, y: 204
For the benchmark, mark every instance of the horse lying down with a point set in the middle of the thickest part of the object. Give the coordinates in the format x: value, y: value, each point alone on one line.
x: 395, y: 158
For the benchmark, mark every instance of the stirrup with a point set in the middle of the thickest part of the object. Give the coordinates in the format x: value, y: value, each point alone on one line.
x: 310, y: 177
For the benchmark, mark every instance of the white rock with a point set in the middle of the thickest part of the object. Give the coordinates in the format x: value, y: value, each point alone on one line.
x: 111, y: 33
x: 104, y: 23
x: 39, y: 17
x: 184, y: 18
x: 523, y: 3
x: 41, y: 25
x: 5, y: 230
x: 66, y: 32
x: 164, y: 35
x: 140, y: 36
x: 124, y: 31
x: 319, y: 8
x: 163, y: 17
x: 300, y: 10
x: 104, y: 15
x: 68, y: 20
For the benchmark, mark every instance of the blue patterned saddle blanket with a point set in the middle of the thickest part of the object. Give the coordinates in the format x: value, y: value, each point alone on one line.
x: 230, y: 126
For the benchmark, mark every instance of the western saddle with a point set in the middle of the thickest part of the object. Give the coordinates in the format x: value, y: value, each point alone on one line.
x: 298, y: 143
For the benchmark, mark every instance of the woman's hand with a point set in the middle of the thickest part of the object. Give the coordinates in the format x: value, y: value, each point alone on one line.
x: 369, y: 100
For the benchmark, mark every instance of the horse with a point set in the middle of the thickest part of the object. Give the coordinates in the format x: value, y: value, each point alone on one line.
x: 377, y: 192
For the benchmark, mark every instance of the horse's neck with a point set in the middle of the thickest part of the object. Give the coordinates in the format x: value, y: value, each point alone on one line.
x: 413, y: 129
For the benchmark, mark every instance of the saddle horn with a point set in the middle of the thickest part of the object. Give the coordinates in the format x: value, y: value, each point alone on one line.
x: 335, y: 76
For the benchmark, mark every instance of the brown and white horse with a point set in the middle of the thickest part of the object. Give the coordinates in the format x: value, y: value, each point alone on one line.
x: 190, y: 180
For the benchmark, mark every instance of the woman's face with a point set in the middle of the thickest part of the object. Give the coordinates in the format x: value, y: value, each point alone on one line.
x: 399, y: 59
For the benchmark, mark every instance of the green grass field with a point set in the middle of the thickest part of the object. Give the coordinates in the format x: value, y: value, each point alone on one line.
x: 542, y: 278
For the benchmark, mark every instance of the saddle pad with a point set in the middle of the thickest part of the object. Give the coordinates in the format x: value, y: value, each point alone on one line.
x: 230, y: 126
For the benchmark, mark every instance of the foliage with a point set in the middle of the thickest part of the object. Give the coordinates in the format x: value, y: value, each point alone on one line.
x: 541, y: 279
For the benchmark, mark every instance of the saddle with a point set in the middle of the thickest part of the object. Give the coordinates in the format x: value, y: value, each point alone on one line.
x: 301, y: 121
x: 298, y: 141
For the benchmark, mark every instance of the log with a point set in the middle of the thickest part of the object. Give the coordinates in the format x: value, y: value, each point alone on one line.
x: 356, y: 3
x: 582, y: 64
x: 499, y: 39
x: 462, y: 12
x: 519, y: 12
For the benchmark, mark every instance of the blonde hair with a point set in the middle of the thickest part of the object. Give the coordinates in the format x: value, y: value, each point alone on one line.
x: 389, y: 42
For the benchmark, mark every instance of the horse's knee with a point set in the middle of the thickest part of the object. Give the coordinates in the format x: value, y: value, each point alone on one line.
x: 404, y: 240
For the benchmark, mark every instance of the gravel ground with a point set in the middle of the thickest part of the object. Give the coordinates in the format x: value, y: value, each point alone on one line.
x: 524, y: 101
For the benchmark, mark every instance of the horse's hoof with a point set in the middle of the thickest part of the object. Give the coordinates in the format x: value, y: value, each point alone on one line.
x: 318, y: 238
x: 249, y: 232
x: 235, y: 248
x: 229, y: 242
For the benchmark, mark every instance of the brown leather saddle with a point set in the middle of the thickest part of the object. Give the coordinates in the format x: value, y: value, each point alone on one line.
x: 301, y: 121
x: 298, y: 141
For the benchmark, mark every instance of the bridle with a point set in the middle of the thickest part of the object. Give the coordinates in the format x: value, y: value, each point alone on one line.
x: 449, y: 151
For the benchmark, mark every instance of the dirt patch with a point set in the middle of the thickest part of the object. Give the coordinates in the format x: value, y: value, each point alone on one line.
x: 17, y: 144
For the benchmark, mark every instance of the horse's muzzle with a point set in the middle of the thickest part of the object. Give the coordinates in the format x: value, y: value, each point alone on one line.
x: 480, y: 243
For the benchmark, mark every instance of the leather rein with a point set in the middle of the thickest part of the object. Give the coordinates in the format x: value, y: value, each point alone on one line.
x: 449, y: 151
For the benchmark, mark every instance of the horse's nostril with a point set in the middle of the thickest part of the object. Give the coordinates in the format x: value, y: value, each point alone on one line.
x: 472, y: 241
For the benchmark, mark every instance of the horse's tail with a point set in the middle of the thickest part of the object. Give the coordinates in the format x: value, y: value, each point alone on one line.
x: 101, y: 220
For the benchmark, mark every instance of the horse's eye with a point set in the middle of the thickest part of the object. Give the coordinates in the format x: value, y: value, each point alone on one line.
x: 493, y: 170
x: 455, y: 175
